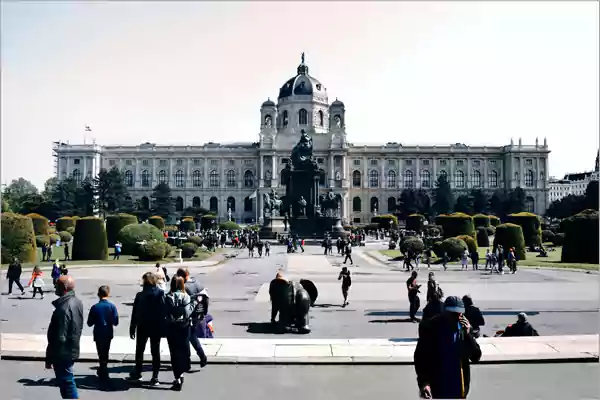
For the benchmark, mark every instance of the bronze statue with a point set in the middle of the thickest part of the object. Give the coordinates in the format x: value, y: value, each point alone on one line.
x: 292, y: 302
x: 302, y: 206
x: 272, y: 203
x: 330, y: 204
x: 302, y: 152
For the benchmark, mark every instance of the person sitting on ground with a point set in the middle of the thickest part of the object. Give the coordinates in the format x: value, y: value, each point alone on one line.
x: 434, y: 306
x: 520, y: 328
x: 473, y: 315
x: 277, y: 291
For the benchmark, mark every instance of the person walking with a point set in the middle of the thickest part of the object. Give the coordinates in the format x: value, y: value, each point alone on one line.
x: 444, y: 352
x: 13, y: 274
x: 200, y: 299
x: 67, y: 253
x: 475, y: 260
x: 488, y: 259
x: 36, y: 282
x: 348, y: 252
x: 44, y: 251
x: 179, y: 308
x: 445, y: 261
x: 346, y: 283
x: 464, y: 260
x: 413, y: 296
x: 103, y: 317
x: 147, y: 322
x: 117, y: 253
x: 267, y: 249
x: 428, y: 257
x: 56, y: 272
x: 302, y: 245
x: 49, y: 253
x: 433, y: 289
x: 161, y: 277
x: 64, y: 334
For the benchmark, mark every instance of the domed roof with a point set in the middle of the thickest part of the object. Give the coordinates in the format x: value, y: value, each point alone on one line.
x: 337, y: 103
x: 302, y: 84
x: 268, y: 103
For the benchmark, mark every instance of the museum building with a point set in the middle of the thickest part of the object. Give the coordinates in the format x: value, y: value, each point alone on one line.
x: 225, y: 177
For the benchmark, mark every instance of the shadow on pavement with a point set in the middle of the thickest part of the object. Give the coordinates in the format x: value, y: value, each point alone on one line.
x: 261, y: 327
x: 327, y: 305
x: 389, y: 321
x: 489, y: 313
x: 83, y: 382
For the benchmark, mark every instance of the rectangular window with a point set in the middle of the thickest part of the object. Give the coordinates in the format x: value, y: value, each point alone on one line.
x: 476, y: 163
x: 492, y: 162
x: 425, y: 162
x: 231, y: 162
x: 214, y: 162
x: 443, y: 163
x: 76, y: 161
x: 373, y: 162
x: 337, y: 161
x: 145, y: 162
x: 162, y: 163
x: 112, y: 162
x: 196, y: 161
x: 529, y: 161
x: 247, y: 162
x: 408, y: 162
x: 459, y: 163
x: 391, y: 162
x: 356, y: 163
x: 128, y: 162
x: 179, y: 162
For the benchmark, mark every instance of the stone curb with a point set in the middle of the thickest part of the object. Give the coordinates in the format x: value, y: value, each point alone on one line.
x: 189, y: 264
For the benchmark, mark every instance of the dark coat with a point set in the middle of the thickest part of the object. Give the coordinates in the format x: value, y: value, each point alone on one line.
x: 428, y: 357
x: 65, y: 329
x: 14, y: 270
x: 520, y: 329
x: 149, y: 311
x: 433, y: 308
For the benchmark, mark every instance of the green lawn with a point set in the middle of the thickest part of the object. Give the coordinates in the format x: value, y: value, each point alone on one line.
x: 58, y: 252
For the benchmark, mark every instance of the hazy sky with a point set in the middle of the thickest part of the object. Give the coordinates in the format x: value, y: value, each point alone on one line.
x: 192, y: 72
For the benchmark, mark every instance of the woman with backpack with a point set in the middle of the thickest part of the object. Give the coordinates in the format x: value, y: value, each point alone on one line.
x: 179, y: 307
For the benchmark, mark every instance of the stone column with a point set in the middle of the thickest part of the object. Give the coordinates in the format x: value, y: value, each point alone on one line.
x: 484, y: 179
x: 383, y: 180
x: 331, y: 171
x: 468, y: 177
x: 205, y: 177
x: 520, y: 183
x: 365, y: 182
x: 261, y: 178
x: 417, y: 177
x: 188, y: 175
x: 259, y: 207
x: 451, y: 174
x: 274, y: 174
x: 344, y: 172
x: 434, y: 175
x: 154, y: 176
x: 537, y: 173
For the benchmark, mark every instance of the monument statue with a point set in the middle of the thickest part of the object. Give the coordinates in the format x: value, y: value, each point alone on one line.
x: 292, y: 302
x: 302, y: 206
x: 272, y: 203
x: 338, y: 121
x: 330, y: 204
x: 268, y: 121
x: 302, y: 153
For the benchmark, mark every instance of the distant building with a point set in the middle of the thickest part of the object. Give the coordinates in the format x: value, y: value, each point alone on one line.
x: 572, y: 183
x: 369, y: 178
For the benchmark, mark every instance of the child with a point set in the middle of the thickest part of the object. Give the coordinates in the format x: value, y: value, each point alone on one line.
x: 36, y: 281
x: 267, y: 249
x: 56, y: 271
x: 103, y: 317
x: 346, y: 283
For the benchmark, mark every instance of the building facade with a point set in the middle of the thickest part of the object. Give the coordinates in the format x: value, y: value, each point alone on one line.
x: 572, y: 183
x: 369, y: 178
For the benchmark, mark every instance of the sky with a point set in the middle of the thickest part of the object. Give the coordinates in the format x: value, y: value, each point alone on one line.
x: 192, y: 72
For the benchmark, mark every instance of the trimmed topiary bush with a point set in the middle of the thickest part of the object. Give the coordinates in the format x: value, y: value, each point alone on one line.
x: 65, y: 236
x: 453, y: 247
x: 229, y: 226
x: 197, y: 240
x: 71, y: 230
x: 90, y: 243
x: 547, y: 236
x: 157, y: 221
x: 415, y: 222
x: 63, y: 223
x: 114, y: 224
x: 188, y: 250
x: 434, y: 230
x: 471, y: 243
x: 383, y: 221
x: 481, y: 220
x: 187, y: 225
x: 131, y: 235
x: 531, y: 225
x: 51, y: 230
x: 152, y: 250
x: 581, y: 238
x: 437, y: 248
x: 456, y: 224
x: 54, y: 238
x: 208, y: 221
x: 494, y: 221
x: 18, y: 238
x: 40, y: 224
x: 510, y: 235
x: 41, y: 239
x: 411, y: 243
x: 558, y: 239
x: 483, y: 239
x: 491, y: 231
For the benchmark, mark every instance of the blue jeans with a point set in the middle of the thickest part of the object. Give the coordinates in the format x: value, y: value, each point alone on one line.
x: 66, y: 381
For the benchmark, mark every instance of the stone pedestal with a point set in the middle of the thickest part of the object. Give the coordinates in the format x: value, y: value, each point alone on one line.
x: 273, y: 226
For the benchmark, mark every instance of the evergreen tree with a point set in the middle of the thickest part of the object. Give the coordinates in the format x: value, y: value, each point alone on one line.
x: 19, y: 191
x: 479, y: 201
x: 591, y: 194
x: 413, y: 201
x: 64, y: 198
x: 162, y: 202
x: 516, y: 201
x: 442, y: 195
x: 111, y: 191
x: 86, y: 198
x: 498, y: 203
x: 464, y: 204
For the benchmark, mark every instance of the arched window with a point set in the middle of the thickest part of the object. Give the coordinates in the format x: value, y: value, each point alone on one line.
x: 356, y: 204
x: 231, y: 179
x: 322, y: 176
x: 493, y: 179
x: 425, y: 179
x: 77, y: 176
x: 285, y: 118
x: 213, y: 179
x: 196, y: 201
x: 128, y: 178
x: 516, y: 176
x: 247, y: 204
x: 145, y: 203
x: 302, y: 117
x: 197, y: 178
x: 529, y: 204
x: 214, y: 204
x: 248, y: 179
x: 179, y: 203
x: 231, y: 204
x: 321, y: 117
x: 391, y: 179
x: 408, y: 179
x: 374, y: 204
x: 145, y: 178
x: 373, y: 178
x: 391, y: 204
x: 444, y: 174
x: 529, y: 178
x: 162, y: 176
x: 179, y: 180
x: 459, y: 179
x: 476, y: 179
x: 356, y: 179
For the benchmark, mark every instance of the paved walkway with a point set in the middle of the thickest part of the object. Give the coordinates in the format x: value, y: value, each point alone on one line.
x: 325, y: 351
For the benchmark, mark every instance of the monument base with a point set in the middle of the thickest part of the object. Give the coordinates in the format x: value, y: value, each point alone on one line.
x: 317, y: 228
x: 272, y: 227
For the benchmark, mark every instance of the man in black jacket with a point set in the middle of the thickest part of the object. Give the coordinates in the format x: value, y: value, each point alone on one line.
x: 444, y: 352
x: 473, y: 315
x: 64, y: 333
x: 520, y: 328
x: 148, y: 322
x: 14, y: 276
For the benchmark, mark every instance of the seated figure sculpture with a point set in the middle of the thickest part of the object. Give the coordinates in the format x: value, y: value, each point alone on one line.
x: 292, y: 302
x: 302, y: 153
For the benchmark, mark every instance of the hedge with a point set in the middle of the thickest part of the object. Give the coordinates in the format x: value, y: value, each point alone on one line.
x: 491, y: 231
x: 494, y: 221
x: 531, y: 225
x: 114, y: 224
x: 208, y: 220
x: 18, y: 238
x: 197, y: 240
x: 415, y: 222
x: 581, y: 238
x: 413, y: 244
x: 65, y: 236
x: 453, y: 247
x: 434, y: 230
x: 229, y: 226
x: 54, y: 238
x: 558, y: 239
x: 456, y: 224
x: 153, y: 251
x: 483, y: 239
x: 63, y: 223
x: 188, y: 250
x: 383, y: 221
x: 471, y: 243
x: 40, y: 224
x: 131, y: 235
x: 157, y: 221
x: 90, y: 243
x: 40, y: 240
x: 187, y: 225
x: 510, y: 235
x: 481, y: 220
x: 547, y: 236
